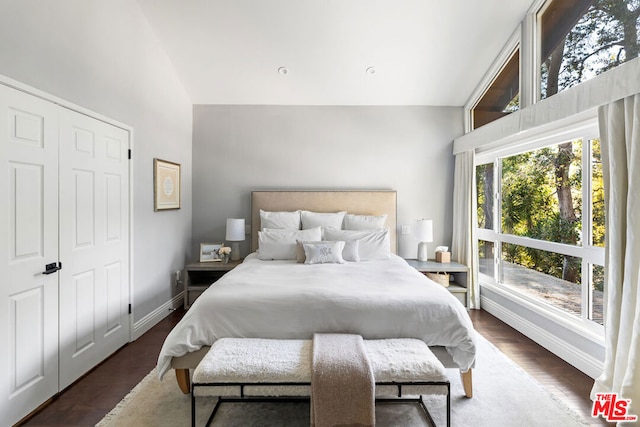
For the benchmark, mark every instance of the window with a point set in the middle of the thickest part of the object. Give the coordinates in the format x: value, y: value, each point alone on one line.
x: 542, y: 193
x: 502, y: 95
x: 540, y: 274
x: 597, y: 195
x: 566, y: 42
x: 580, y: 39
x: 541, y: 224
x: 484, y: 180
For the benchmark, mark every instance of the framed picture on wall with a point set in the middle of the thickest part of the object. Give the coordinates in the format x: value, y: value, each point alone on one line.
x: 209, y: 252
x: 166, y: 185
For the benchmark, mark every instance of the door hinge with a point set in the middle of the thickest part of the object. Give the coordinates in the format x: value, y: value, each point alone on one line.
x: 129, y: 154
x: 129, y: 308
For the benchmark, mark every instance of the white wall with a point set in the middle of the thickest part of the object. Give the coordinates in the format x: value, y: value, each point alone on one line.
x: 237, y: 149
x: 102, y: 55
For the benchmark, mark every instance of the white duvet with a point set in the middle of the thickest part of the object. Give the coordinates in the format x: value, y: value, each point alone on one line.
x: 287, y: 300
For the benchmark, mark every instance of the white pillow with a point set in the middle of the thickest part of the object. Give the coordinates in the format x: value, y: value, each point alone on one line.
x: 372, y: 245
x: 349, y: 253
x: 324, y: 252
x: 281, y: 243
x: 364, y: 222
x: 300, y: 257
x: 319, y: 219
x: 351, y: 250
x: 286, y: 220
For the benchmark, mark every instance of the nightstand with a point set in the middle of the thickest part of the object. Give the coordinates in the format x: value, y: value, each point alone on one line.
x: 460, y: 273
x: 200, y: 275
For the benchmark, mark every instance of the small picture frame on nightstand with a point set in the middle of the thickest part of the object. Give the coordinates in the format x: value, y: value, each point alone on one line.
x: 209, y: 252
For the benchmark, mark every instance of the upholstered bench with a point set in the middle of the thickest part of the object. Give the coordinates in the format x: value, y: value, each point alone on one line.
x: 254, y: 369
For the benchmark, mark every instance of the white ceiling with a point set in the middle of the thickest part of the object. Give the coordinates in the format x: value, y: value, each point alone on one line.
x: 425, y: 52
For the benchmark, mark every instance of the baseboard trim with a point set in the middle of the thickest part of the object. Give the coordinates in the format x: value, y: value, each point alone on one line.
x: 152, y: 319
x: 572, y: 355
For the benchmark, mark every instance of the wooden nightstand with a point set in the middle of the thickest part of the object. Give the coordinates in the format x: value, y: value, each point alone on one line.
x: 200, y: 275
x: 460, y: 273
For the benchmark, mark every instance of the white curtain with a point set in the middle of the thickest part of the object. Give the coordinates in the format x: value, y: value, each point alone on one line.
x: 464, y: 245
x: 620, y: 139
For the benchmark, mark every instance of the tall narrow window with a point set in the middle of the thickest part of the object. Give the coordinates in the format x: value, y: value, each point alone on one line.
x: 597, y: 294
x: 503, y: 95
x: 580, y: 39
x: 484, y: 180
x: 597, y: 195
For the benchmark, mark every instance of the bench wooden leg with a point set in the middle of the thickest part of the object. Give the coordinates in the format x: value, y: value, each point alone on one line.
x: 184, y: 381
x: 467, y: 383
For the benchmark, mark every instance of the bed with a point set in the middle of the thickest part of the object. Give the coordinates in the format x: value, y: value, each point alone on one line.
x: 271, y: 295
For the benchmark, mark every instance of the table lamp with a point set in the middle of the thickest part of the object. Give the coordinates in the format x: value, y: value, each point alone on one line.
x: 235, y: 235
x: 424, y: 234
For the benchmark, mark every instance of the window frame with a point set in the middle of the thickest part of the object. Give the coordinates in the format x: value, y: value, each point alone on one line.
x: 527, y: 38
x: 491, y: 86
x: 496, y: 68
x: 589, y: 254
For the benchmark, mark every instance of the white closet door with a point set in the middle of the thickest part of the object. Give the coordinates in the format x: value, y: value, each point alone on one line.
x: 28, y: 242
x: 94, y: 242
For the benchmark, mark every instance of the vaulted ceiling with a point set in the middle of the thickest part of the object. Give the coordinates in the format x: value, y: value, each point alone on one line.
x: 333, y: 52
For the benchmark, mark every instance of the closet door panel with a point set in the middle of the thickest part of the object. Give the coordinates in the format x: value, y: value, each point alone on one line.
x: 94, y: 243
x: 29, y: 232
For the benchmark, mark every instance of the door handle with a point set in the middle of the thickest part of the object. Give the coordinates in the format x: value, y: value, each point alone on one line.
x: 52, y: 268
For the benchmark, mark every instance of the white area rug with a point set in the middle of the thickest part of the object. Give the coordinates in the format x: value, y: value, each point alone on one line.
x: 504, y: 395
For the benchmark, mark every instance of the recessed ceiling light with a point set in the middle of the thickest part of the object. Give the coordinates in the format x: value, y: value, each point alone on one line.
x: 371, y: 71
x: 283, y: 70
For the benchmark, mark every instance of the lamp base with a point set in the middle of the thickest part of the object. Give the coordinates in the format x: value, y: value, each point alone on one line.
x: 235, y: 251
x: 422, y: 252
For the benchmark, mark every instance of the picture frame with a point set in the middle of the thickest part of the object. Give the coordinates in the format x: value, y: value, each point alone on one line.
x: 166, y: 185
x: 209, y: 252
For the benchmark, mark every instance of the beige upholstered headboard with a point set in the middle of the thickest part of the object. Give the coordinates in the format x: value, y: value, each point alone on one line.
x: 354, y: 202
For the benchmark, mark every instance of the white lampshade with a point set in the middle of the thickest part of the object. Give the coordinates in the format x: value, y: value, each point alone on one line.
x: 235, y: 229
x: 235, y: 234
x: 424, y: 230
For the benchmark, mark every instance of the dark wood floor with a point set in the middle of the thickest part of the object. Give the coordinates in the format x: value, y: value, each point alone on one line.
x: 562, y: 380
x: 94, y: 395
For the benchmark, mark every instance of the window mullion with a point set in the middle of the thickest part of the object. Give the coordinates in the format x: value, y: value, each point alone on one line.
x: 587, y: 226
x: 497, y: 220
x: 587, y: 300
x: 545, y: 245
x: 529, y: 77
x: 587, y: 214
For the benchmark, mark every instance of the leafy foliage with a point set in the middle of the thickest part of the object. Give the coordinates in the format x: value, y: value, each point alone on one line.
x: 541, y: 191
x: 605, y: 37
x: 597, y: 195
x: 531, y: 207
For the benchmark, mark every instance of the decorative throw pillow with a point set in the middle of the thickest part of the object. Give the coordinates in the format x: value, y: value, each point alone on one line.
x: 324, y: 252
x: 300, y: 257
x: 286, y: 220
x: 349, y: 253
x: 364, y: 222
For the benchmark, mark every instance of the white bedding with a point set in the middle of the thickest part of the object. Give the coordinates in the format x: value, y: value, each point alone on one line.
x: 287, y: 300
